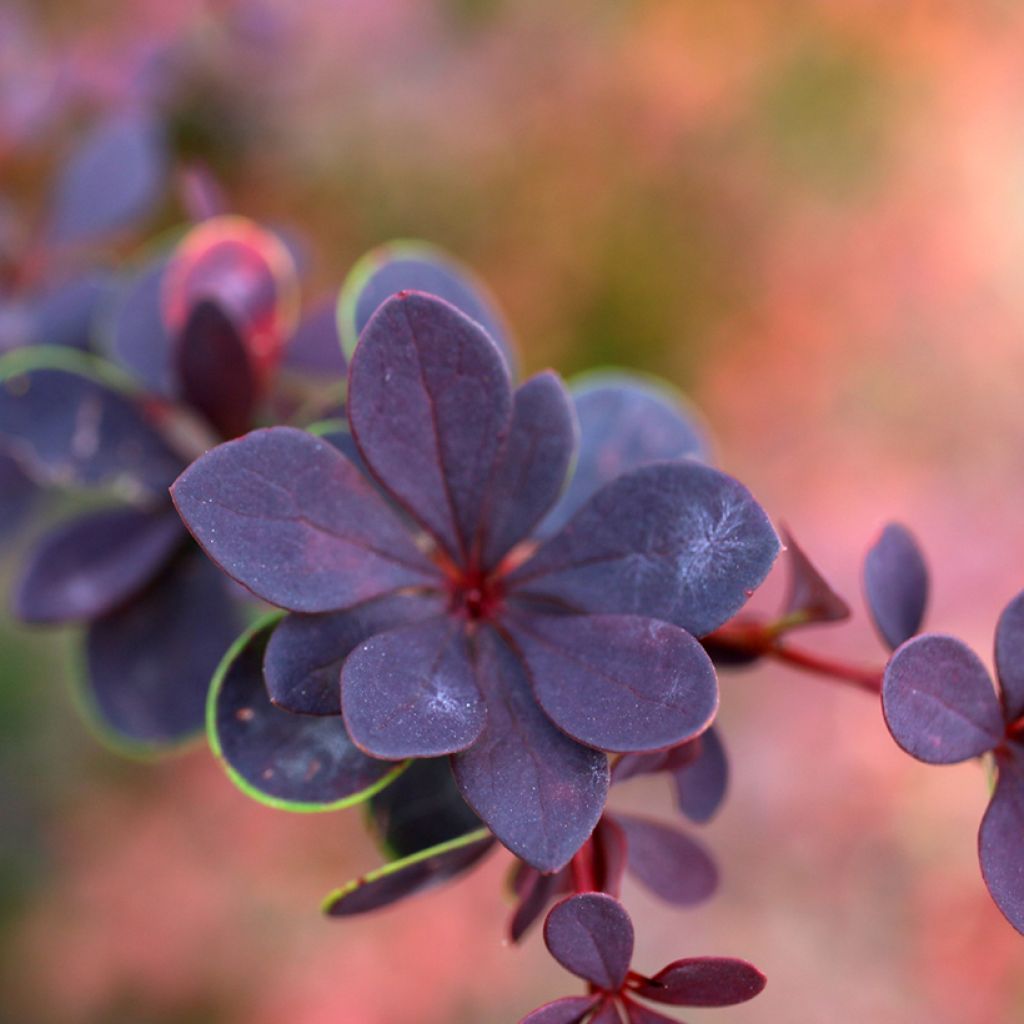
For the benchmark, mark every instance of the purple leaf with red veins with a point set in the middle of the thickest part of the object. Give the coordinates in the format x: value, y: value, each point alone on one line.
x: 290, y: 759
x: 611, y: 856
x: 570, y: 1010
x: 704, y: 981
x: 809, y: 593
x: 150, y: 662
x: 113, y: 179
x: 939, y: 702
x: 676, y: 541
x: 1010, y: 658
x: 701, y: 783
x: 429, y: 404
x: 215, y: 371
x: 412, y: 692
x: 306, y: 652
x: 538, y: 791
x: 1001, y: 837
x: 70, y: 430
x: 591, y: 936
x: 670, y: 864
x: 537, y: 892
x: 617, y: 682
x: 896, y: 584
x: 88, y: 566
x: 626, y: 421
x: 289, y: 517
x: 531, y: 467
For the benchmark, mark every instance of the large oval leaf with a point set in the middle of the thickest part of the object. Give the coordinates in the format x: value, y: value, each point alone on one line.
x: 592, y: 936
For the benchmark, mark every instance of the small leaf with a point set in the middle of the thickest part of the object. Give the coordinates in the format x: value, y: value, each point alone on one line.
x: 626, y: 421
x: 1010, y: 658
x: 412, y: 692
x: 429, y: 403
x: 939, y: 702
x: 1001, y: 838
x: 315, y: 347
x: 289, y: 517
x: 809, y: 594
x: 638, y: 1014
x: 215, y: 373
x: 701, y: 784
x: 704, y: 981
x: 617, y: 682
x: 68, y: 313
x: 538, y: 891
x: 413, y: 874
x: 531, y: 467
x: 669, y: 863
x: 676, y: 541
x: 630, y: 765
x: 293, y: 762
x: 306, y: 652
x: 896, y: 584
x: 537, y: 790
x: 591, y: 936
x: 570, y: 1010
x: 611, y: 856
x: 88, y: 566
x: 17, y: 496
x: 149, y: 664
x: 112, y: 180
x: 416, y: 267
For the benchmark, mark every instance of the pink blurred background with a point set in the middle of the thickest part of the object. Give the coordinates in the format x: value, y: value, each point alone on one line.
x: 810, y: 216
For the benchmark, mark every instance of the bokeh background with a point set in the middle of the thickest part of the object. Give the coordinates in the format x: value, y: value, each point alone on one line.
x: 810, y: 216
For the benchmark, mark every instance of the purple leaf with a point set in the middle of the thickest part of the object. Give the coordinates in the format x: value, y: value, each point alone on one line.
x: 618, y: 682
x: 214, y: 370
x: 630, y: 765
x: 150, y: 662
x: 289, y: 517
x: 93, y: 563
x: 537, y: 790
x: 638, y: 1014
x: 626, y: 421
x: 1001, y: 838
x: 591, y: 936
x: 607, y: 1013
x: 809, y: 594
x: 315, y: 347
x: 68, y: 313
x: 420, y: 809
x: 939, y: 702
x: 113, y: 179
x: 570, y: 1010
x: 701, y: 784
x: 306, y: 652
x: 429, y: 403
x: 896, y: 584
x: 670, y: 864
x: 139, y: 339
x: 295, y: 762
x: 538, y: 891
x: 704, y: 981
x: 611, y: 856
x: 413, y: 874
x: 412, y: 692
x: 17, y: 496
x: 532, y: 466
x: 417, y: 267
x: 1010, y: 658
x: 67, y: 429
x: 676, y: 541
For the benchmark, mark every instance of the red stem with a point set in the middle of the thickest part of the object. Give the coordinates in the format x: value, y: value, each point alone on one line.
x: 583, y: 879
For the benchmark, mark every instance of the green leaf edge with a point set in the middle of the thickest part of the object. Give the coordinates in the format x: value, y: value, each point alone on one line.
x: 30, y: 358
x: 397, y: 865
x: 261, y: 625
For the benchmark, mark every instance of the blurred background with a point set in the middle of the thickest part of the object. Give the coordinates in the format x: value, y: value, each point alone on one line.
x: 809, y: 216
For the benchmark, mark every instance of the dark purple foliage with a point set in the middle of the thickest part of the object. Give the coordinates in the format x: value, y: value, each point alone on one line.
x: 1009, y: 655
x: 315, y: 347
x: 896, y: 584
x: 591, y: 936
x: 17, y: 496
x: 701, y: 783
x: 67, y: 313
x: 1001, y: 837
x: 569, y: 1010
x: 810, y: 596
x: 704, y: 981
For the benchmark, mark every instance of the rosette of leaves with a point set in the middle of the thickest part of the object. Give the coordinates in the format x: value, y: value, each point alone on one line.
x: 158, y: 616
x: 428, y: 617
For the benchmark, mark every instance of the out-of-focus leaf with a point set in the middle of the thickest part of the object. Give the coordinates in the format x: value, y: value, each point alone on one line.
x: 630, y: 765
x: 676, y: 541
x: 618, y: 682
x: 704, y: 981
x: 638, y: 1014
x: 68, y: 313
x: 17, y: 496
x: 289, y: 517
x: 939, y: 702
x: 294, y: 762
x: 537, y: 892
x: 315, y: 347
x: 896, y: 584
x: 1010, y: 658
x: 809, y: 594
x: 626, y: 421
x: 611, y: 855
x: 538, y: 791
x: 412, y: 692
x: 429, y: 403
x: 701, y: 784
x: 1001, y: 837
x: 591, y: 936
x: 569, y: 1010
